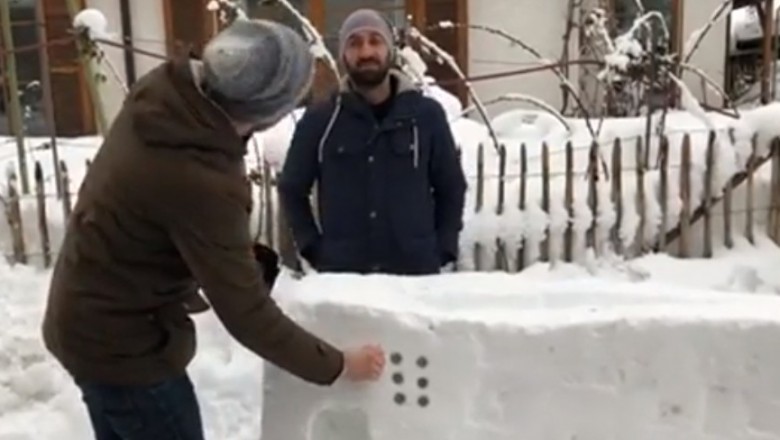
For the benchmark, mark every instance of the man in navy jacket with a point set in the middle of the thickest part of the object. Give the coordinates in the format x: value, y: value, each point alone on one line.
x: 390, y: 184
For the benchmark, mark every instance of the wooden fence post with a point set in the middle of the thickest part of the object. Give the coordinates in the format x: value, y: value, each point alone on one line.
x: 664, y: 190
x: 522, y: 203
x: 617, y: 194
x: 545, y: 250
x: 593, y: 197
x: 66, y: 202
x: 640, y: 200
x: 269, y: 213
x: 43, y: 226
x: 568, y: 239
x: 480, y: 200
x: 774, y: 205
x: 14, y: 217
x: 501, y: 259
x: 287, y: 250
x: 685, y: 197
x: 751, y: 166
x: 708, y: 194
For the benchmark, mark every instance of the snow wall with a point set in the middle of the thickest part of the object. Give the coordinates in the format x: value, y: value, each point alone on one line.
x: 474, y: 358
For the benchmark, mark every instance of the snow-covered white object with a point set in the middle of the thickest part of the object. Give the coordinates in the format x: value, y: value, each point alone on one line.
x: 229, y: 379
x: 451, y: 104
x: 414, y: 61
x: 276, y: 140
x: 94, y: 21
x: 476, y: 357
x: 528, y: 125
x: 746, y: 25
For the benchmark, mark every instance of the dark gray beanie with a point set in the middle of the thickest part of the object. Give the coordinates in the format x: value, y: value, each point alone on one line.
x: 361, y: 20
x: 257, y: 71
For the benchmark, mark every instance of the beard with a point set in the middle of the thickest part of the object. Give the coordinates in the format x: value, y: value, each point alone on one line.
x: 370, y: 77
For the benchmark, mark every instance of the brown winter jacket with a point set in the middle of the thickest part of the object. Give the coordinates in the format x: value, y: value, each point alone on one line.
x: 164, y: 209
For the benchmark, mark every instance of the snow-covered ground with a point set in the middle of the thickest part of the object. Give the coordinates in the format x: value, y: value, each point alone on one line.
x: 34, y: 389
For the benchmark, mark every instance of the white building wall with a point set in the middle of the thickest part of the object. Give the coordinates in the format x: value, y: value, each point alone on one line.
x: 539, y: 24
x: 711, y: 55
x: 542, y: 25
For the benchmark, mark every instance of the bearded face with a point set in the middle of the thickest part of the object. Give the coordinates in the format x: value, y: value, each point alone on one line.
x: 367, y: 59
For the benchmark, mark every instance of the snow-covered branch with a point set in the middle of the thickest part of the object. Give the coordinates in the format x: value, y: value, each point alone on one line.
x: 640, y: 7
x: 645, y: 19
x: 519, y: 97
x: 711, y: 84
x: 596, y: 25
x: 413, y: 65
x: 443, y: 56
x: 565, y: 82
x: 690, y: 103
x: 694, y: 41
x: 318, y: 47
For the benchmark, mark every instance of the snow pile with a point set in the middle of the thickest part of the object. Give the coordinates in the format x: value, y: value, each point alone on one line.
x: 476, y: 356
x: 93, y: 21
x: 33, y: 386
x: 658, y: 319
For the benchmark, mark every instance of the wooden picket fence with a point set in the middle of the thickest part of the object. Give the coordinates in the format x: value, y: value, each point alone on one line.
x: 679, y: 234
x: 271, y: 226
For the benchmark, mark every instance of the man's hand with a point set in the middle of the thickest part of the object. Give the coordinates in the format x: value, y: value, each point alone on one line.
x: 364, y: 364
x: 268, y: 260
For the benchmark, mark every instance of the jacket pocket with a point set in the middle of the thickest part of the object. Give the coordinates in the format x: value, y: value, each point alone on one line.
x: 178, y: 347
x: 406, y: 146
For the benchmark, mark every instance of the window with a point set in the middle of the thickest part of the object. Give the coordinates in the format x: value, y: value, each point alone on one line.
x: 28, y: 71
x: 626, y: 12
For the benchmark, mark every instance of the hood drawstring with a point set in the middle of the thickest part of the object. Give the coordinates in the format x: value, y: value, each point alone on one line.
x: 328, y: 129
x: 415, y: 144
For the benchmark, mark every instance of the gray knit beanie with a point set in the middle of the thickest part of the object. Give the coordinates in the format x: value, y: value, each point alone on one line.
x: 257, y: 71
x: 361, y: 20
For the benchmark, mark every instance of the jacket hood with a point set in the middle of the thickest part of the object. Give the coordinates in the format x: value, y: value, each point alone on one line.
x: 169, y: 109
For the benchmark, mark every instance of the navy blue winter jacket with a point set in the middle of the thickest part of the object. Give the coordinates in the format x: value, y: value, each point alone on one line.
x: 390, y: 194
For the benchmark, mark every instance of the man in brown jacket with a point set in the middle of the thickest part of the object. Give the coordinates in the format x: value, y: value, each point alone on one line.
x: 163, y: 211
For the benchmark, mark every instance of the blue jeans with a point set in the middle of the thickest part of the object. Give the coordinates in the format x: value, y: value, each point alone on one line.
x: 164, y: 411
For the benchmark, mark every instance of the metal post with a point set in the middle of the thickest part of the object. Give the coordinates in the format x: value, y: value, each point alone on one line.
x: 127, y: 39
x: 13, y: 92
x: 48, y: 99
